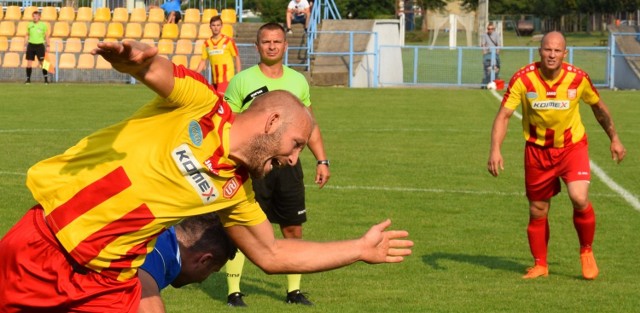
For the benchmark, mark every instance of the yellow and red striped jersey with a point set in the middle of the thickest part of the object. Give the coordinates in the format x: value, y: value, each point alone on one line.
x: 550, y: 109
x: 220, y: 53
x: 108, y: 197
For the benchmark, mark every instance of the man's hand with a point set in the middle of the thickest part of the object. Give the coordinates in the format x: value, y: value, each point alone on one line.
x: 322, y: 175
x: 385, y: 246
x: 129, y: 57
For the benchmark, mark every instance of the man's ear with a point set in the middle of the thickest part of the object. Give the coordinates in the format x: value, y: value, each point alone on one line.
x: 272, y: 124
x: 205, y: 259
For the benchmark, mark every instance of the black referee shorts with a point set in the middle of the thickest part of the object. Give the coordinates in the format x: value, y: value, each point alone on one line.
x: 281, y: 195
x: 34, y: 50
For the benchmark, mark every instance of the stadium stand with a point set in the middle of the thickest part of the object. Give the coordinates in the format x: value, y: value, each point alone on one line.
x: 49, y: 14
x: 191, y: 16
x: 227, y: 30
x: 133, y: 30
x: 56, y: 44
x: 184, y: 46
x: 138, y: 15
x: 102, y: 64
x: 156, y: 15
x: 11, y: 59
x: 102, y: 15
x: 13, y: 13
x: 115, y: 30
x: 151, y: 31
x: 17, y: 44
x: 120, y: 15
x: 194, y: 61
x: 4, y: 44
x: 84, y: 14
x: 197, y: 47
x: 73, y: 45
x: 67, y: 61
x: 1, y: 14
x: 61, y: 29
x: 21, y: 29
x: 67, y: 14
x: 90, y: 44
x: 86, y: 61
x: 170, y: 31
x: 188, y: 31
x: 7, y: 28
x: 97, y: 30
x: 148, y: 41
x: 27, y: 14
x: 180, y: 59
x: 79, y: 29
x: 165, y: 46
x: 228, y: 16
x: 204, y: 32
x: 207, y: 14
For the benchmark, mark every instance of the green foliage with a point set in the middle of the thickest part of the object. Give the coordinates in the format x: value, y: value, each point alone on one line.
x: 273, y: 10
x: 417, y: 156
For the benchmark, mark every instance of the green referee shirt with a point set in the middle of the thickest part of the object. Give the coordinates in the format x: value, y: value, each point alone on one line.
x: 250, y: 83
x: 37, y: 32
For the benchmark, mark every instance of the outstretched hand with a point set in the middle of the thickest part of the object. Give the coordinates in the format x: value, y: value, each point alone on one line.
x: 129, y: 57
x: 385, y: 246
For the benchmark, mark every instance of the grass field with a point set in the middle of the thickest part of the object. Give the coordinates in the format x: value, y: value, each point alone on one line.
x: 417, y: 156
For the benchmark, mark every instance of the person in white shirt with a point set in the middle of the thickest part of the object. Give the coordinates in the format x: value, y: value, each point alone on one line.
x: 298, y: 11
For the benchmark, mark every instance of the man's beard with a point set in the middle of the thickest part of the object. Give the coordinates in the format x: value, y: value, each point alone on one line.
x: 262, y: 148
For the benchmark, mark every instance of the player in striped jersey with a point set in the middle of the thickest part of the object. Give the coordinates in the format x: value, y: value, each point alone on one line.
x: 102, y: 202
x: 556, y: 145
x: 221, y: 51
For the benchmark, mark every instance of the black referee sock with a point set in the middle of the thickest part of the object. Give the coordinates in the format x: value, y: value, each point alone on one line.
x: 29, y: 70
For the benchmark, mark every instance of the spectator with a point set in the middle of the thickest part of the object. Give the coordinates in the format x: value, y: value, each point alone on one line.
x: 184, y: 254
x: 490, y: 41
x: 221, y: 51
x: 298, y: 11
x: 172, y: 11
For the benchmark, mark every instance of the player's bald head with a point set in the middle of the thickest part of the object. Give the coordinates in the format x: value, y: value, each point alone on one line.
x: 553, y: 37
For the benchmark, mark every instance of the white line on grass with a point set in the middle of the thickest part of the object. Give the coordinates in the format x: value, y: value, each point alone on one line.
x: 626, y: 195
x: 34, y: 130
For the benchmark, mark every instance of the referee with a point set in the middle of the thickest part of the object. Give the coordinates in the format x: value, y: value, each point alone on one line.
x: 37, y: 41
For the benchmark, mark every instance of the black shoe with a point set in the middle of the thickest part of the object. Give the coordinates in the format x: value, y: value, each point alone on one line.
x: 27, y: 82
x: 297, y: 297
x: 235, y: 299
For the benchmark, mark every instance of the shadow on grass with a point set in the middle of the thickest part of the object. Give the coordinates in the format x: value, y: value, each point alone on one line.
x: 488, y: 261
x: 216, y: 288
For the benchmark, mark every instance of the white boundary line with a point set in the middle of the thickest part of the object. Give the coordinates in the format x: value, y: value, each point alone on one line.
x: 626, y: 195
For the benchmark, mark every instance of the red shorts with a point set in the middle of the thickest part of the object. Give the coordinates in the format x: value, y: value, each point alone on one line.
x: 37, y: 275
x: 543, y: 168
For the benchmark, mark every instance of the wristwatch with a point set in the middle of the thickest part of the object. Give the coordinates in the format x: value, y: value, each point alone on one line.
x: 323, y: 162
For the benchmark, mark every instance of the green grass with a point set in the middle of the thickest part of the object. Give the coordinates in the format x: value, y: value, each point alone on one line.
x: 417, y: 156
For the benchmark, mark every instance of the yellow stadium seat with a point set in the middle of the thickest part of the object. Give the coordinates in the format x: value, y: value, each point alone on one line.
x: 170, y: 31
x: 204, y: 32
x: 197, y: 47
x: 11, y: 59
x: 165, y: 46
x: 13, y: 13
x: 138, y: 15
x: 61, y: 29
x: 120, y: 15
x: 133, y: 30
x: 194, y: 61
x: 156, y: 15
x: 207, y: 14
x: 7, y: 28
x: 86, y: 61
x: 84, y: 14
x: 1, y: 14
x: 115, y: 30
x: 4, y: 44
x: 228, y: 16
x: 27, y: 14
x: 21, y: 29
x: 148, y: 41
x: 102, y: 64
x: 184, y: 46
x: 17, y: 44
x: 67, y: 14
x: 56, y: 45
x: 188, y: 31
x: 90, y: 44
x: 97, y: 30
x: 227, y: 30
x: 79, y: 29
x: 191, y: 16
x: 49, y: 14
x: 151, y: 30
x: 110, y: 40
x: 102, y: 15
x: 73, y: 45
x: 180, y: 59
x: 67, y: 60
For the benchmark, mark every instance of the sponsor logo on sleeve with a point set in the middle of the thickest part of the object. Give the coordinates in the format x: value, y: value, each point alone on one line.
x: 195, y: 133
x: 572, y: 93
x: 231, y: 187
x: 532, y: 95
x: 194, y: 173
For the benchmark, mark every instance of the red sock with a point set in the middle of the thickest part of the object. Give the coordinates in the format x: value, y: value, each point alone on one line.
x: 538, y: 234
x: 585, y: 224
